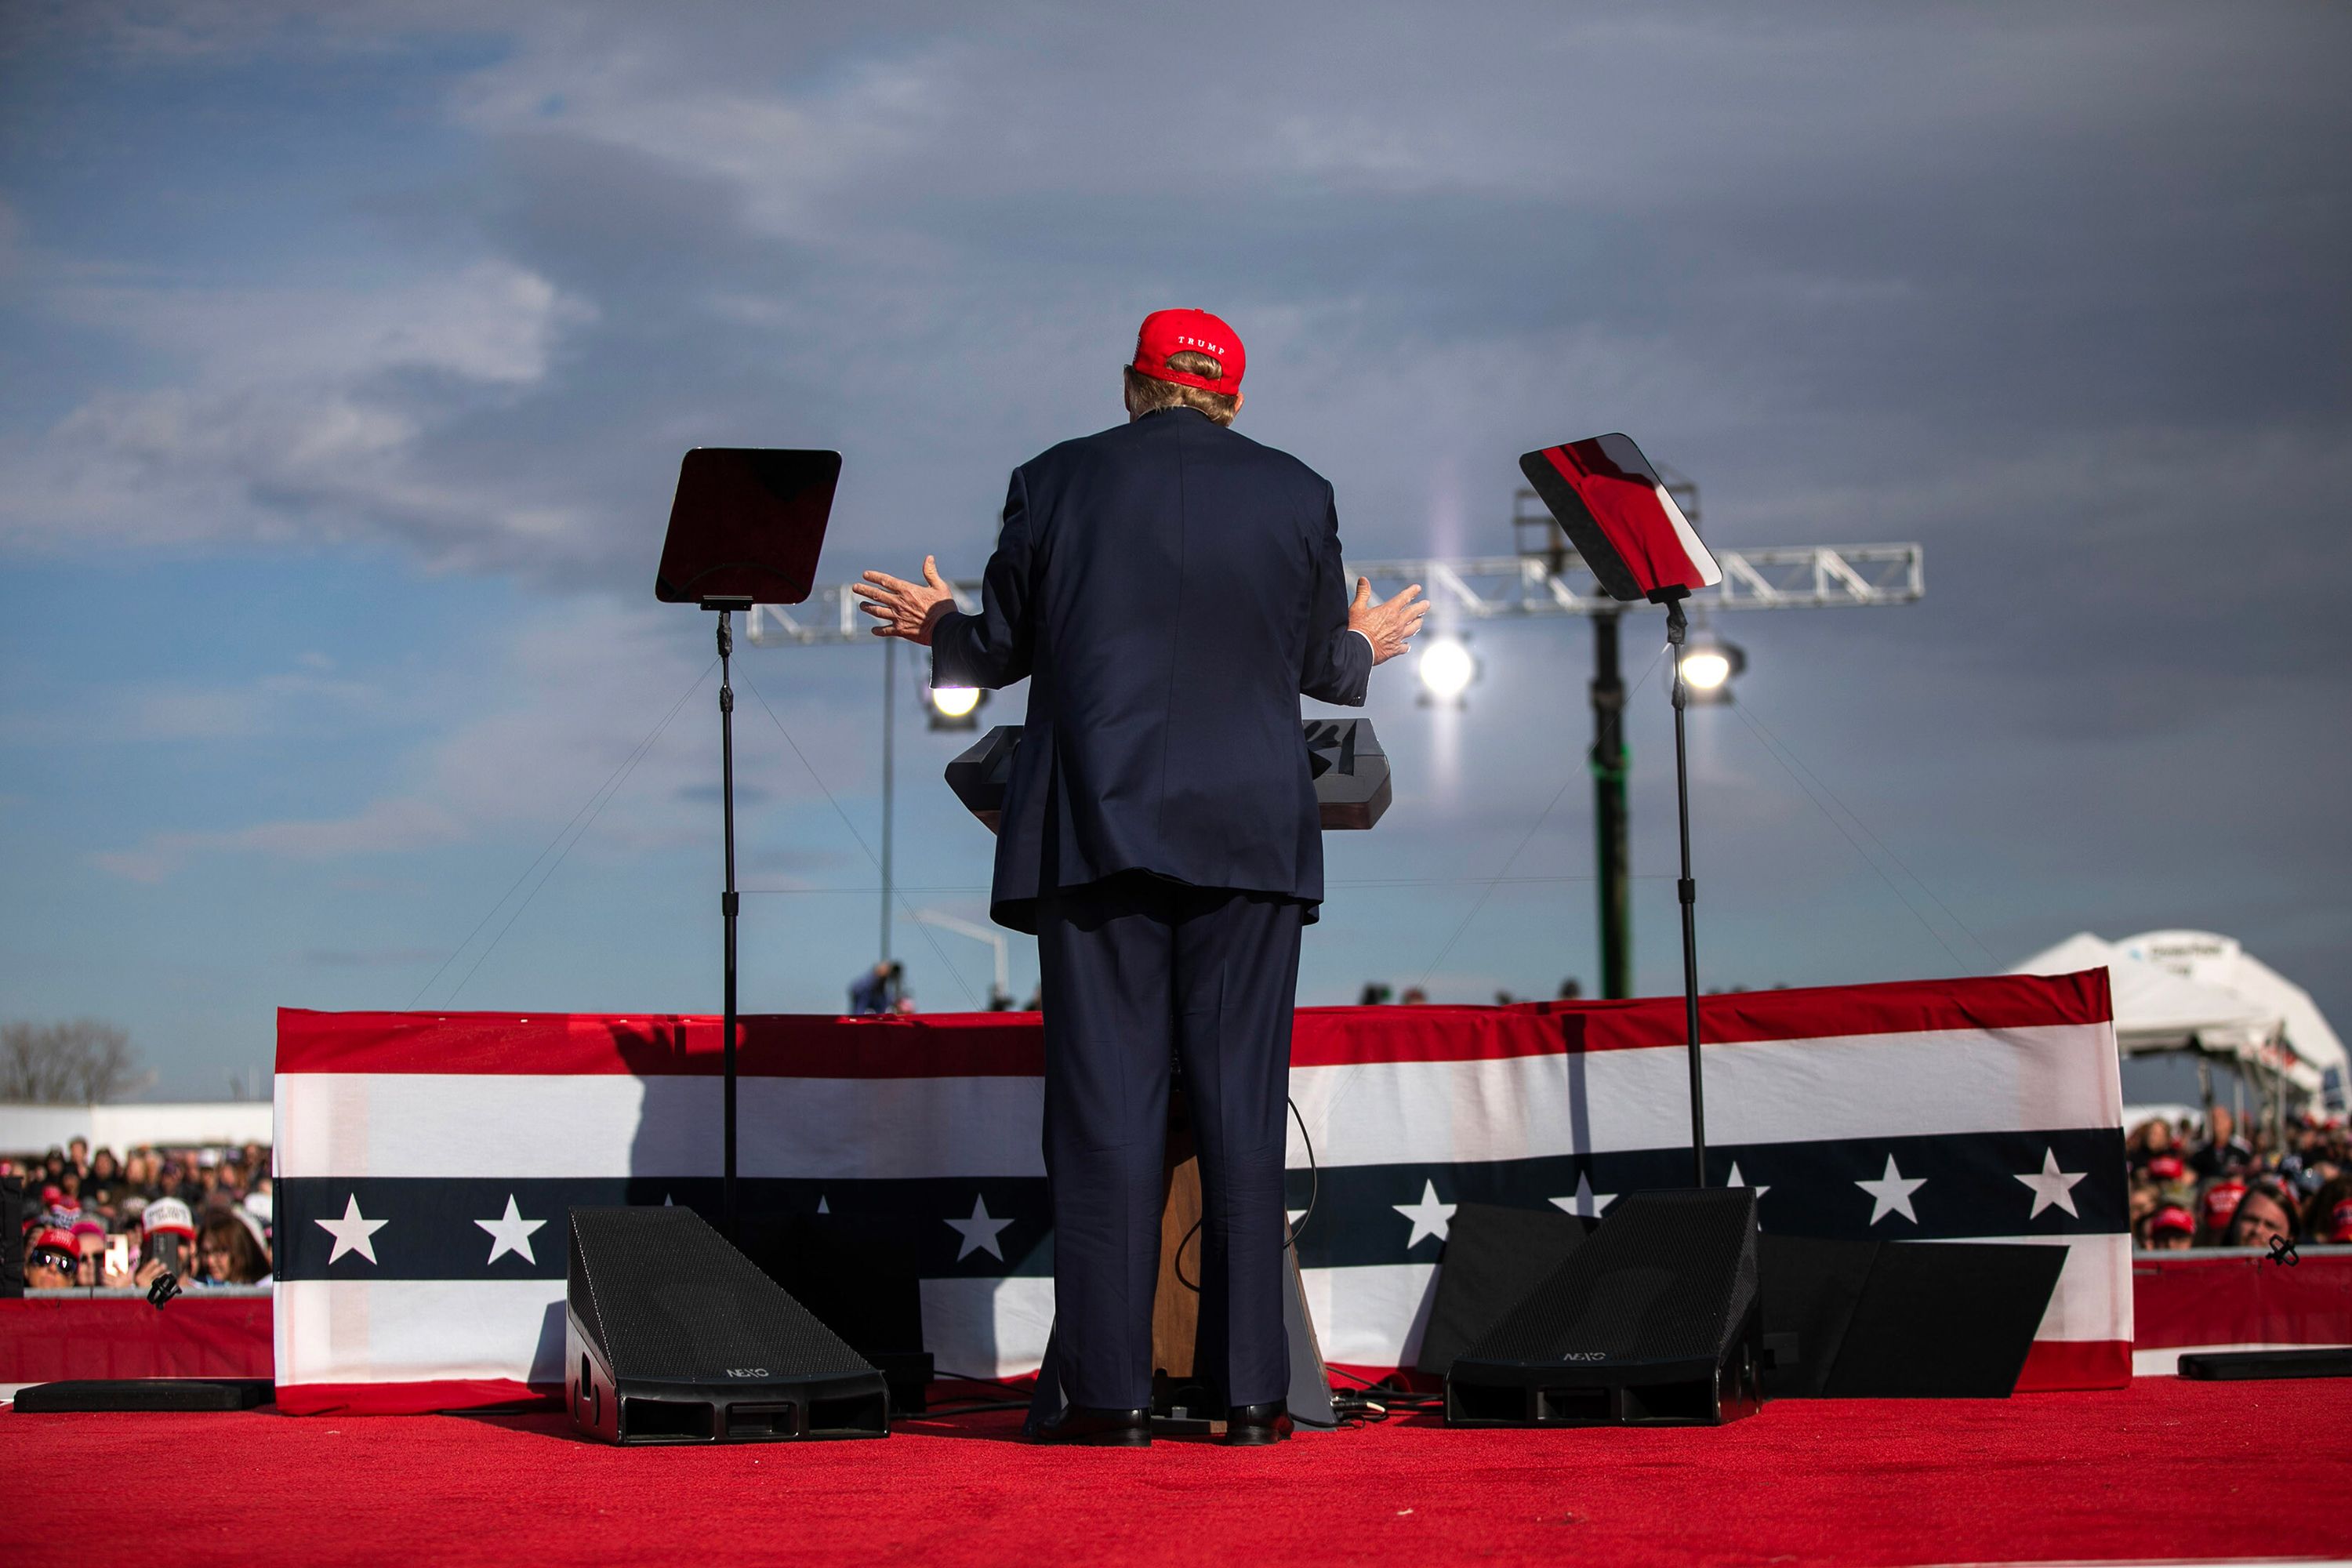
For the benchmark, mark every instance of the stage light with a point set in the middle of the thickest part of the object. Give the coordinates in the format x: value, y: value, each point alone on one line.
x: 955, y: 707
x: 1706, y: 668
x: 1446, y: 670
x: 1708, y: 664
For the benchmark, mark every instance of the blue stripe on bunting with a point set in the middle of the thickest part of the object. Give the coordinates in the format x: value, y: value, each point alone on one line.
x: 1953, y: 1187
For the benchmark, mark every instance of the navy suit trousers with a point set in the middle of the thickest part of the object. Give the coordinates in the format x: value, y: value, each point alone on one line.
x: 1138, y: 973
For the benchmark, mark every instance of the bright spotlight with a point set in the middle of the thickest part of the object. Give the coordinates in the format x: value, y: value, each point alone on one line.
x: 1447, y: 668
x: 955, y: 707
x: 1708, y: 666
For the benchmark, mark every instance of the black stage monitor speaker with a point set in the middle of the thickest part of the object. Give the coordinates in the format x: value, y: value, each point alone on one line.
x: 1654, y: 1321
x: 1343, y: 756
x: 673, y: 1336
x: 1944, y: 1319
x: 1812, y: 1286
x: 1494, y: 1258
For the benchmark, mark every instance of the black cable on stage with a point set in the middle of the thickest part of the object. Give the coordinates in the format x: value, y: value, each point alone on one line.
x: 959, y: 1407
x: 1314, y: 1191
x: 909, y: 909
x: 627, y: 765
x: 942, y: 1375
x: 1314, y: 1176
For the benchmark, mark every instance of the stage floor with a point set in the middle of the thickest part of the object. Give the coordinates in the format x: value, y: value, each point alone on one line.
x: 2164, y: 1470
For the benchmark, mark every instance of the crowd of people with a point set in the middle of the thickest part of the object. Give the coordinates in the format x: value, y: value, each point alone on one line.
x: 97, y: 1221
x: 2219, y: 1185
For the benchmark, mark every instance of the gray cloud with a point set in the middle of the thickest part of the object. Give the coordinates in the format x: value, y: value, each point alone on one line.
x: 2057, y: 292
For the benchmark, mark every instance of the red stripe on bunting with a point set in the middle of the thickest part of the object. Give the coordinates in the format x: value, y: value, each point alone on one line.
x: 421, y: 1399
x: 951, y: 1045
x: 1011, y: 1044
x: 2052, y: 1365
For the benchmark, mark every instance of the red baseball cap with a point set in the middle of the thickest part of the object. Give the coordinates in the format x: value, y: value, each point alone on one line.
x: 2221, y: 1201
x: 2339, y: 1222
x: 52, y: 1239
x: 2167, y: 1168
x: 2172, y: 1217
x: 1166, y: 333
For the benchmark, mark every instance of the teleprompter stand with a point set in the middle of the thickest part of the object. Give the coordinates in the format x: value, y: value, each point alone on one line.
x: 1628, y: 529
x: 1685, y: 889
x: 746, y: 528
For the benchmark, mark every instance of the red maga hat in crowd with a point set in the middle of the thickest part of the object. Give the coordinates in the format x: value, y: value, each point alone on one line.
x: 2221, y: 1201
x: 2339, y: 1222
x: 2167, y: 1168
x: 1166, y: 333
x: 52, y: 1241
x: 2172, y: 1217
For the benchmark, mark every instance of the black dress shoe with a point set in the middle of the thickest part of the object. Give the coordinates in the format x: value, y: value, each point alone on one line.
x: 1255, y: 1426
x: 1079, y: 1426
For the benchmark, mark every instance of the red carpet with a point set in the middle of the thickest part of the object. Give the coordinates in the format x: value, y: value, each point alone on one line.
x: 2164, y: 1470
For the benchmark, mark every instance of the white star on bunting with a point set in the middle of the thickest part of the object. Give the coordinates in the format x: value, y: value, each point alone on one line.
x: 979, y: 1232
x: 1891, y: 1194
x: 353, y: 1233
x: 1428, y: 1217
x: 2053, y: 1186
x: 511, y: 1232
x: 1733, y: 1180
x: 1585, y: 1201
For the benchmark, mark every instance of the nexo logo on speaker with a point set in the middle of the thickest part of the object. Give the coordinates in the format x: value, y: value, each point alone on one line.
x: 1584, y: 1355
x: 747, y: 1372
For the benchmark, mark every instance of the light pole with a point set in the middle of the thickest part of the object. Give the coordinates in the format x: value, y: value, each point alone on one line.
x: 1613, y: 857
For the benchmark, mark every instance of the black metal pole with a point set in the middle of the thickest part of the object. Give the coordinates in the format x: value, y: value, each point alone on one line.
x: 1612, y: 858
x: 1687, y: 891
x: 728, y: 904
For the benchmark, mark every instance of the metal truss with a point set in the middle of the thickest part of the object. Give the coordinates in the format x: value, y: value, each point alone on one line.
x: 1780, y: 577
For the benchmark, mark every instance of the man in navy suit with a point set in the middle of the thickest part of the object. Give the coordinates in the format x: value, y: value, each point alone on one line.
x: 1170, y: 589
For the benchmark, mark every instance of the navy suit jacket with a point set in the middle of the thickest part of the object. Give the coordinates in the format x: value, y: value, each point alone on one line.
x: 1169, y: 588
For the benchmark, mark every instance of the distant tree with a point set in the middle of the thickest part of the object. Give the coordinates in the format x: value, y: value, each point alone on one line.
x: 83, y: 1061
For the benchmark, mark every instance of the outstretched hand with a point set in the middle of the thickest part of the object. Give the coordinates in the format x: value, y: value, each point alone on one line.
x: 909, y: 610
x: 1389, y: 624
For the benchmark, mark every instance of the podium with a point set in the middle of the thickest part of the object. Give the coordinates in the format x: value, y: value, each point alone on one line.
x: 1349, y: 769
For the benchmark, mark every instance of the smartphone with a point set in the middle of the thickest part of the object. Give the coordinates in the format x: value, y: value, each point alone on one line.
x: 167, y: 1252
x: 118, y: 1259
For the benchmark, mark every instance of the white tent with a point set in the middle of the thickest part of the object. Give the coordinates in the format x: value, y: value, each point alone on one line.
x: 2197, y: 991
x: 2221, y: 962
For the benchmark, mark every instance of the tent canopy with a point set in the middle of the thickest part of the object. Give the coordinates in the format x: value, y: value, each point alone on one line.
x: 2178, y: 990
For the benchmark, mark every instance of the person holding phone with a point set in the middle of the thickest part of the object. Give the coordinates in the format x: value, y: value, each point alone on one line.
x: 168, y: 1232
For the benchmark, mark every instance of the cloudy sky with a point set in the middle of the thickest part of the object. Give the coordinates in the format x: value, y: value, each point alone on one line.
x: 345, y: 365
